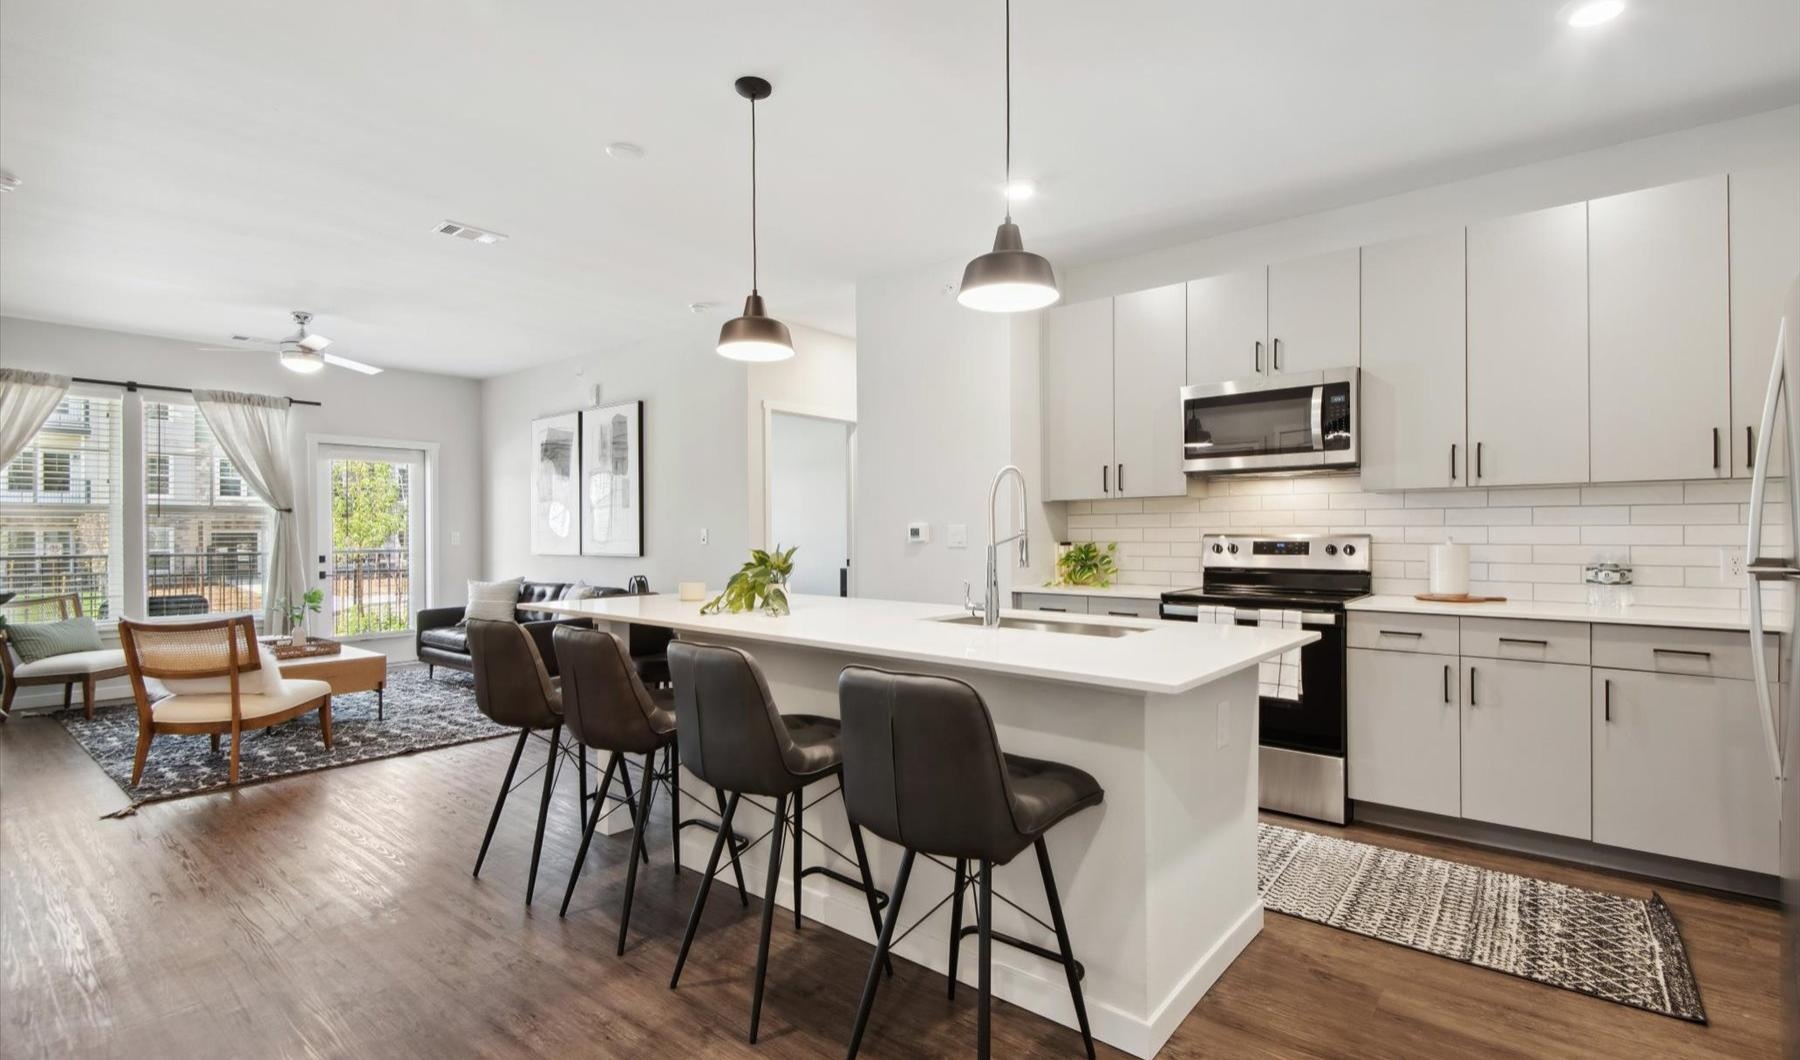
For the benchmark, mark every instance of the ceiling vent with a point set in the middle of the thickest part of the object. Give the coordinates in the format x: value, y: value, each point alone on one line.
x: 469, y: 232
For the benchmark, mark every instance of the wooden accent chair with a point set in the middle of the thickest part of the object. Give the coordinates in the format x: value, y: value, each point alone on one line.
x: 85, y: 668
x: 217, y: 682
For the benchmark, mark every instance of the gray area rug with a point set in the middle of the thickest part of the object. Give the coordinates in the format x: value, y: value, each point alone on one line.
x: 422, y: 713
x: 1624, y: 950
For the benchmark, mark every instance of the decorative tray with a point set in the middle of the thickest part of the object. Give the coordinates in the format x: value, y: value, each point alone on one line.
x: 312, y: 649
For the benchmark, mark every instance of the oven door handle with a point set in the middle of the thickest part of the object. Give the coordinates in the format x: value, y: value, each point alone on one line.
x: 1180, y: 611
x: 1318, y: 618
x: 1318, y: 419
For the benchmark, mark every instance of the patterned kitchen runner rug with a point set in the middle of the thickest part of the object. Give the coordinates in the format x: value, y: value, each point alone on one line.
x: 422, y: 713
x: 1624, y: 950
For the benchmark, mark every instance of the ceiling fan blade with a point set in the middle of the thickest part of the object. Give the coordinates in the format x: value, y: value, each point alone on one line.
x: 245, y: 348
x: 315, y: 343
x: 257, y: 339
x: 354, y: 366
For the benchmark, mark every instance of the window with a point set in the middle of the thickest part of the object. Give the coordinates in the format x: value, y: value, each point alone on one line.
x: 231, y: 484
x: 159, y: 542
x: 60, y: 511
x: 208, y: 532
x: 156, y: 476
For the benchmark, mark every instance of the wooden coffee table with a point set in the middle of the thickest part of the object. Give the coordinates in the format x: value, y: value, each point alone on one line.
x: 352, y: 669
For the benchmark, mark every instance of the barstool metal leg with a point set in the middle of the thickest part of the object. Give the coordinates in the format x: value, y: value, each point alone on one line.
x: 1062, y: 942
x: 500, y: 800
x: 537, y: 842
x: 799, y: 808
x: 580, y: 783
x: 587, y: 833
x: 868, y: 886
x: 737, y: 869
x: 881, y: 955
x: 674, y: 765
x: 637, y: 845
x: 985, y: 905
x: 727, y: 810
x: 768, y: 914
x: 631, y: 797
x: 962, y: 873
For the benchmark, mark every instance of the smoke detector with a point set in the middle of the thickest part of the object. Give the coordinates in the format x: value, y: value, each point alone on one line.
x: 7, y: 181
x: 624, y: 151
x: 469, y: 232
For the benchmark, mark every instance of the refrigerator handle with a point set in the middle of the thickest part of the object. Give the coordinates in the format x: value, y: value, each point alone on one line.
x: 1759, y: 482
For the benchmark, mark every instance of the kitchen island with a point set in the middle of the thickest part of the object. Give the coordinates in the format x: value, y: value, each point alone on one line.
x: 1158, y: 882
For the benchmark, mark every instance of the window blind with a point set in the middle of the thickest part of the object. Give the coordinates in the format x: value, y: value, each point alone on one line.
x: 60, y: 509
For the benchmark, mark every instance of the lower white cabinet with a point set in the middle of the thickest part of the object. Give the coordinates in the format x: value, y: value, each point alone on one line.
x: 1404, y: 730
x: 1525, y: 746
x: 1680, y: 770
x: 1077, y: 605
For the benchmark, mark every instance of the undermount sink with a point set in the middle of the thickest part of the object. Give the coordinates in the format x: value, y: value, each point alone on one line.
x: 1047, y: 625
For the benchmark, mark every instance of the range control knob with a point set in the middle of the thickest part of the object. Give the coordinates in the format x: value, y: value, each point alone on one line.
x: 1331, y: 550
x: 1218, y: 547
x: 1349, y: 550
x: 1233, y: 549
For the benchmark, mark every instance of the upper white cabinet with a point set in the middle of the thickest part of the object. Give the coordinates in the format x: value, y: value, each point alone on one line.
x: 1228, y: 326
x: 1314, y: 309
x: 1659, y: 350
x: 1765, y: 259
x: 1413, y: 361
x: 1528, y: 349
x: 1149, y: 352
x: 1076, y: 371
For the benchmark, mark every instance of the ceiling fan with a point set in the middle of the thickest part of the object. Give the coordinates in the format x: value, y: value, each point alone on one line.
x: 303, y: 351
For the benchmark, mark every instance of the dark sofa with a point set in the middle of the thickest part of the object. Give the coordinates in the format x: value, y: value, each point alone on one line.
x: 443, y: 640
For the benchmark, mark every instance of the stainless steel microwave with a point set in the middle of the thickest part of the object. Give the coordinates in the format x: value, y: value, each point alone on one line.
x: 1302, y: 421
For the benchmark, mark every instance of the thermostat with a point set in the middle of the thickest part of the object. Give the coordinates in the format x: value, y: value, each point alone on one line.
x: 918, y: 533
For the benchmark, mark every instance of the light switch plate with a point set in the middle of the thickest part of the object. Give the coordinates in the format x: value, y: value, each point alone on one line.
x: 455, y: 538
x: 918, y: 533
x: 956, y: 535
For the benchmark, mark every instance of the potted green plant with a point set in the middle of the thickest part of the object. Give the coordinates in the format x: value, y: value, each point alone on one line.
x: 760, y: 582
x: 310, y: 601
x: 1087, y: 564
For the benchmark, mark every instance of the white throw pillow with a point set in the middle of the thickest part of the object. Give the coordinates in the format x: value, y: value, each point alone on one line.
x: 580, y: 590
x: 493, y: 601
x: 266, y: 678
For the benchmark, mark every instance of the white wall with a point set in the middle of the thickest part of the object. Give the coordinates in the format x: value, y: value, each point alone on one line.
x: 819, y: 379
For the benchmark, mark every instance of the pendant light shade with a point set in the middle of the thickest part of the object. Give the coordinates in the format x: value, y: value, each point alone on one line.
x: 1009, y: 278
x: 755, y: 336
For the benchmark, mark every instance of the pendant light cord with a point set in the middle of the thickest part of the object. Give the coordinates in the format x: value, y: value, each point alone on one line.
x: 1006, y: 189
x: 753, y: 257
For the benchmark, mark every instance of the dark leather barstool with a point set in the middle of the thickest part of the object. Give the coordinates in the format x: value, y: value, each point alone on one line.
x: 733, y: 738
x: 513, y: 688
x: 923, y: 768
x: 607, y: 707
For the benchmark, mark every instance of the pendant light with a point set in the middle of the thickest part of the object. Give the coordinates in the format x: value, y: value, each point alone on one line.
x: 1009, y: 278
x: 754, y: 336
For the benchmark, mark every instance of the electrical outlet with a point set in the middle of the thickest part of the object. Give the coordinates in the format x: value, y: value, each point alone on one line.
x: 1731, y: 564
x: 455, y: 538
x: 1223, y: 713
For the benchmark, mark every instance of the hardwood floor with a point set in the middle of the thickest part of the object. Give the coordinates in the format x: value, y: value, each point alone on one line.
x: 334, y: 915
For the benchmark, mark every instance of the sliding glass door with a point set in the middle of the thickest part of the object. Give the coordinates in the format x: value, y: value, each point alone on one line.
x: 371, y: 540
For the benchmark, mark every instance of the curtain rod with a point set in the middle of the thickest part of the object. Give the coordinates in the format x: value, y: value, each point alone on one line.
x: 133, y: 385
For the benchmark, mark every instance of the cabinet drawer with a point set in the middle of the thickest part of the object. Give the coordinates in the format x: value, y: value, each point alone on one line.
x: 1432, y: 634
x: 1075, y: 605
x: 1531, y: 641
x: 1695, y: 652
x: 1124, y: 607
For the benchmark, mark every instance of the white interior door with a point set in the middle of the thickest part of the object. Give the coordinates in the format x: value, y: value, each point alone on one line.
x: 809, y: 469
x: 370, y: 540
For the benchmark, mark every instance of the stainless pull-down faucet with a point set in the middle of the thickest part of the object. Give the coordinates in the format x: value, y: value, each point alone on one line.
x: 990, y: 611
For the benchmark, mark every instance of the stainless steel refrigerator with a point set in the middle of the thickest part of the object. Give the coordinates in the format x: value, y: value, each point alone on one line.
x: 1775, y: 573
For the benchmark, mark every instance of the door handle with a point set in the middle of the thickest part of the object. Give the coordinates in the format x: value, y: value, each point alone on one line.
x: 1477, y: 459
x: 1715, y: 451
x: 1749, y: 448
x: 1606, y: 697
x: 1446, y: 682
x: 1471, y: 686
x: 1525, y: 640
x: 1120, y: 478
x: 1105, y: 481
x: 1275, y: 354
x: 1401, y: 633
x: 1258, y: 357
x: 1452, y: 461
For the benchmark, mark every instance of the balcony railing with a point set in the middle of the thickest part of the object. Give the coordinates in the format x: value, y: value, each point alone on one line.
x: 371, y: 591
x: 33, y: 576
x: 198, y: 583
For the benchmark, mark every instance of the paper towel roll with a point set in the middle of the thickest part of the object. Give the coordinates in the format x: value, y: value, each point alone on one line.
x: 1450, y: 569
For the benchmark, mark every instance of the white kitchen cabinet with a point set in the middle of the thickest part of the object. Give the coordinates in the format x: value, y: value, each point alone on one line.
x: 1075, y: 605
x: 1228, y: 326
x: 1414, y: 418
x: 1525, y: 739
x: 1149, y: 359
x: 1314, y: 313
x: 1528, y: 349
x: 1405, y: 730
x: 1765, y: 259
x: 1076, y: 377
x: 1680, y: 769
x: 1659, y: 340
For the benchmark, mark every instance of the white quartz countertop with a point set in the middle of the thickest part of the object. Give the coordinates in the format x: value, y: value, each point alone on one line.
x: 1681, y: 617
x: 1162, y: 658
x: 1118, y: 592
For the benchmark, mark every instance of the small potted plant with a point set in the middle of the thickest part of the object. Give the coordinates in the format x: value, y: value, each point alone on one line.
x: 1088, y: 565
x: 760, y: 582
x: 310, y: 601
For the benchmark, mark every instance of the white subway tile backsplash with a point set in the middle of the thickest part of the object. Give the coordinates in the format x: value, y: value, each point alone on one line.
x: 1405, y: 517
x: 1534, y: 496
x: 1171, y: 504
x: 1534, y: 535
x: 1118, y: 507
x: 1581, y: 516
x: 1367, y: 500
x: 1489, y: 517
x: 1723, y: 491
x: 1446, y: 498
x: 1685, y: 514
x: 1631, y: 535
x: 1652, y: 493
x: 1714, y: 535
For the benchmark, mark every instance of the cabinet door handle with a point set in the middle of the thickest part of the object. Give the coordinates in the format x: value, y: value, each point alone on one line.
x: 1105, y: 478
x: 1715, y: 454
x: 1258, y: 356
x: 1120, y: 478
x: 1401, y: 633
x: 1124, y: 614
x: 1749, y: 448
x: 1471, y: 686
x: 1606, y: 697
x: 1275, y: 354
x: 1525, y: 640
x: 1452, y: 461
x: 1681, y: 651
x: 1446, y: 682
x: 1056, y: 609
x: 1477, y: 459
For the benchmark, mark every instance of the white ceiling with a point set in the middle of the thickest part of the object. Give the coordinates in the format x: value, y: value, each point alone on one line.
x: 193, y: 169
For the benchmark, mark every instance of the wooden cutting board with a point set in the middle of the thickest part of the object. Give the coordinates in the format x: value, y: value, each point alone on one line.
x: 1458, y: 598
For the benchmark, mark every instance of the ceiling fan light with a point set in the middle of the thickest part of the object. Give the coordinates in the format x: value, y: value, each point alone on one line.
x: 302, y: 360
x: 1009, y: 278
x: 755, y: 336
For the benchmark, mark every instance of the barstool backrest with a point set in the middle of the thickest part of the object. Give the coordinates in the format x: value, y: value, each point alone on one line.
x: 922, y: 765
x: 511, y: 685
x: 731, y: 735
x: 605, y: 704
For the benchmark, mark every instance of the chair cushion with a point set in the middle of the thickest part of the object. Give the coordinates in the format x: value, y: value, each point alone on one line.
x: 78, y: 662
x: 539, y: 593
x: 493, y: 601
x: 447, y: 638
x: 250, y: 682
x: 1043, y: 793
x: 216, y: 706
x: 35, y: 641
x: 816, y: 745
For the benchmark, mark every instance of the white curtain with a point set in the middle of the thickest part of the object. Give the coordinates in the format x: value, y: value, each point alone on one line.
x: 252, y: 429
x: 26, y: 400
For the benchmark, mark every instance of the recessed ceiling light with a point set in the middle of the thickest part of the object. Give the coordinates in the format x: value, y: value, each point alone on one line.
x: 468, y: 232
x: 1585, y: 13
x: 702, y: 307
x: 7, y: 181
x: 1019, y: 189
x: 624, y: 151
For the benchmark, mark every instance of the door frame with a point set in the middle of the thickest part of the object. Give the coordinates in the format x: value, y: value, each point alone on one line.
x: 816, y: 412
x: 427, y: 538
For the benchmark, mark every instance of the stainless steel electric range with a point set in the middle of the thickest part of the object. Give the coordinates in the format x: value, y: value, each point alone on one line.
x: 1250, y: 580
